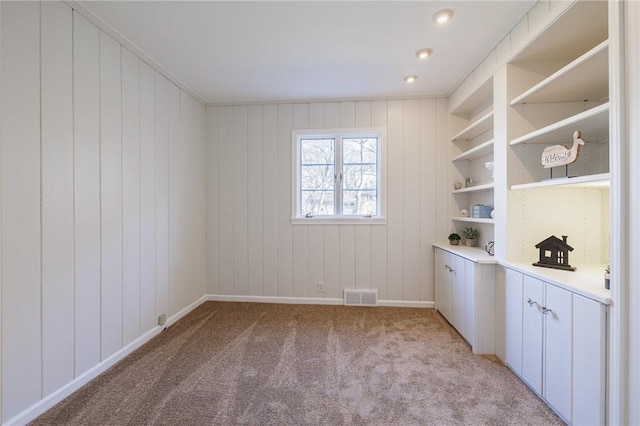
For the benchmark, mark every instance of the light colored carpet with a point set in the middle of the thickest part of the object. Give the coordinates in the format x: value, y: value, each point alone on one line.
x: 250, y: 363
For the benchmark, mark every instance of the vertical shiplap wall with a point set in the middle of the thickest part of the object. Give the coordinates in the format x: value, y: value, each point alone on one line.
x: 252, y: 248
x: 102, y: 199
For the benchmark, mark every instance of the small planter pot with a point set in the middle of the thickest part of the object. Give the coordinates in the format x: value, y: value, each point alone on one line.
x: 454, y: 242
x: 470, y: 242
x: 606, y: 281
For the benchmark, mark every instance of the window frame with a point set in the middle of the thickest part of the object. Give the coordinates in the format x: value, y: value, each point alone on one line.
x: 297, y: 218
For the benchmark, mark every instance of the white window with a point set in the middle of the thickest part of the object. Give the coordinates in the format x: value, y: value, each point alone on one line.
x: 338, y: 176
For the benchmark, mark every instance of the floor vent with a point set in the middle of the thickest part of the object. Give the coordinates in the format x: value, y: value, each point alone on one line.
x: 360, y: 297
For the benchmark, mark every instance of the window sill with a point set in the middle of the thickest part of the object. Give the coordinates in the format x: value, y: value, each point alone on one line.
x: 339, y: 221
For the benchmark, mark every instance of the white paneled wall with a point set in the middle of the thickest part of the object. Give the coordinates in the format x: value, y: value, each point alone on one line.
x: 102, y: 200
x: 252, y: 248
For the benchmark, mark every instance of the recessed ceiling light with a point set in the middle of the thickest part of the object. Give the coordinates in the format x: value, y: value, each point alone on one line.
x: 424, y: 53
x: 442, y: 16
x: 410, y: 78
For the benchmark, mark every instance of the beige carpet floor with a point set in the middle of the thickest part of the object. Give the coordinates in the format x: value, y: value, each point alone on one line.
x: 268, y: 364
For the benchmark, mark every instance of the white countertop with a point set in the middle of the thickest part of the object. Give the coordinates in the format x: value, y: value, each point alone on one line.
x: 474, y: 254
x: 587, y: 281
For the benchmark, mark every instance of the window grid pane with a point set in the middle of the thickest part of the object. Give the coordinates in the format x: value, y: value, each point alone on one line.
x: 317, y: 176
x: 359, y: 176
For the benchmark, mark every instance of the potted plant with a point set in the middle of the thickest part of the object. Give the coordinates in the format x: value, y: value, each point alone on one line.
x: 470, y: 234
x: 607, y: 275
x: 454, y: 239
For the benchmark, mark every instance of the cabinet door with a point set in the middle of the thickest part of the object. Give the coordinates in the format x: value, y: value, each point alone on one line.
x: 513, y: 316
x: 557, y: 349
x: 532, y: 295
x: 470, y: 277
x: 443, y: 284
x: 589, y: 358
x: 458, y: 300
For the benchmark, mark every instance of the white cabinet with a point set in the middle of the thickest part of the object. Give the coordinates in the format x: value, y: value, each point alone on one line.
x: 443, y: 283
x: 465, y: 296
x: 556, y: 342
x: 513, y: 326
x: 557, y: 319
x: 532, y: 333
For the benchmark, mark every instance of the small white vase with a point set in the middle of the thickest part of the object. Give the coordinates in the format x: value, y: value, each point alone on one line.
x: 470, y: 242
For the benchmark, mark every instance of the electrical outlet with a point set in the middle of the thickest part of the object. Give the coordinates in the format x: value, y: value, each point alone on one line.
x: 320, y: 286
x: 162, y: 319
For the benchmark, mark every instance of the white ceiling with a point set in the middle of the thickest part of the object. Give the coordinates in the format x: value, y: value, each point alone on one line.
x: 236, y: 51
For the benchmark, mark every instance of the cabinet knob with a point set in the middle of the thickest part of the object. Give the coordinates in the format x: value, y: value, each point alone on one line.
x: 531, y: 302
x: 449, y: 268
x: 546, y: 310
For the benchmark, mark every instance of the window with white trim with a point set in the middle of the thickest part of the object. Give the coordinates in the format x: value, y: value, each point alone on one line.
x: 338, y: 175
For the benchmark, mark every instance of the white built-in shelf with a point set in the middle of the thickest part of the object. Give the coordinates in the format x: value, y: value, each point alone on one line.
x: 590, y: 181
x: 476, y: 152
x: 472, y: 219
x: 476, y: 188
x: 479, y: 98
x: 476, y: 128
x: 586, y: 78
x: 593, y: 123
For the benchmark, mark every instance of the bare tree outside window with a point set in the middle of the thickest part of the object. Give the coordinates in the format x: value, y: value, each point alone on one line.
x: 317, y: 181
x: 360, y: 172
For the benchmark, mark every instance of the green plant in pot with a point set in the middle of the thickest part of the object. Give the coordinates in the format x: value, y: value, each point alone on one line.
x: 470, y: 235
x: 454, y: 239
x: 607, y: 277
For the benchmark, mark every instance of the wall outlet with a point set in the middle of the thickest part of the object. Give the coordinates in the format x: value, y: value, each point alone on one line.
x: 320, y: 286
x: 162, y: 319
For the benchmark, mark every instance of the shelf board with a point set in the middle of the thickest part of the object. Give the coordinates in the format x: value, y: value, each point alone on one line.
x: 480, y: 96
x: 476, y: 128
x: 476, y: 188
x: 589, y: 181
x: 476, y: 152
x: 586, y: 78
x: 593, y: 123
x: 473, y: 219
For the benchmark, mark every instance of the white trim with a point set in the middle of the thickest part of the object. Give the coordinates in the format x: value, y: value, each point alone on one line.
x: 324, y: 100
x: 54, y: 398
x: 339, y: 220
x: 274, y: 299
x: 407, y: 304
x: 125, y: 42
x: 618, y: 327
x: 313, y: 301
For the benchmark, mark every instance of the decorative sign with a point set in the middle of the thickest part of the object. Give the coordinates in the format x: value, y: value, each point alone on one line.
x: 560, y: 155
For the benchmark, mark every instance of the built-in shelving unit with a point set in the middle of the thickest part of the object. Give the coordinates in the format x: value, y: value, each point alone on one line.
x: 552, y: 80
x: 472, y: 146
x: 559, y: 84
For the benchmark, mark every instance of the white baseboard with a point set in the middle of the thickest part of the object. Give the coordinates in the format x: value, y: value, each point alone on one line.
x: 312, y: 301
x: 275, y: 299
x: 54, y: 398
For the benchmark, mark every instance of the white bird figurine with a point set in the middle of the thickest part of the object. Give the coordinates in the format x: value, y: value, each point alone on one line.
x: 559, y: 155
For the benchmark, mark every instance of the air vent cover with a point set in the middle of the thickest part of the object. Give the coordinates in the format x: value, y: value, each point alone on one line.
x: 354, y: 297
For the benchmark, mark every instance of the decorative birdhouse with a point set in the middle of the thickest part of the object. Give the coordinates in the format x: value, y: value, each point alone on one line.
x: 554, y: 253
